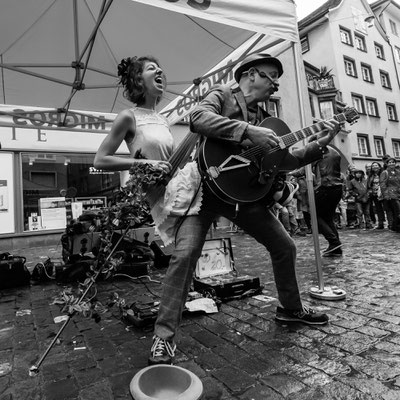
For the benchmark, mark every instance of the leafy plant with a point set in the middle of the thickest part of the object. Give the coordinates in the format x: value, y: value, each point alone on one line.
x: 324, y: 73
x: 130, y: 210
x: 72, y: 303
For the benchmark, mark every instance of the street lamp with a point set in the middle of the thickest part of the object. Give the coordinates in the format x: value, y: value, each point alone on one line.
x: 370, y: 20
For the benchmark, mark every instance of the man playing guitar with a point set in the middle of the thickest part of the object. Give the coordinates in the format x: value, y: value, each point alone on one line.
x: 231, y: 116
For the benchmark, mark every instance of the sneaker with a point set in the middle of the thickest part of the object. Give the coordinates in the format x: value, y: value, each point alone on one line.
x: 162, y: 351
x: 298, y: 232
x: 333, y: 253
x: 331, y: 248
x: 306, y: 315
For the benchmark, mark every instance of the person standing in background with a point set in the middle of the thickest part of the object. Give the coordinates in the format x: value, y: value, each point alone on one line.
x: 371, y: 208
x: 390, y: 186
x: 351, y: 209
x: 328, y: 192
x: 368, y: 169
x: 358, y: 188
x: 375, y: 193
x: 302, y: 197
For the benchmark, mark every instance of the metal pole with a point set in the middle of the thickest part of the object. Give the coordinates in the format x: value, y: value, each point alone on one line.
x: 314, y: 225
x: 321, y: 292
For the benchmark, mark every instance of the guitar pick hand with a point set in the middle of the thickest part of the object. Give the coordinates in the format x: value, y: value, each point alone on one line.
x: 263, y: 137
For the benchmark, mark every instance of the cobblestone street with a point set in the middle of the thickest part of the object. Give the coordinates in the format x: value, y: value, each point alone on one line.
x: 239, y: 352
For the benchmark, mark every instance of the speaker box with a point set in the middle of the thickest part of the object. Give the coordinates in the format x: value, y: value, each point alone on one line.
x: 162, y: 254
x: 145, y: 234
x: 126, y: 244
x: 134, y: 269
x: 85, y: 243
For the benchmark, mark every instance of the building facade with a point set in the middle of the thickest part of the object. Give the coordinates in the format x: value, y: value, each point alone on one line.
x: 351, y: 51
x: 46, y: 169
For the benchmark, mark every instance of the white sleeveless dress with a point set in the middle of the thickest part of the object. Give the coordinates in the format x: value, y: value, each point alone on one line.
x: 183, y: 195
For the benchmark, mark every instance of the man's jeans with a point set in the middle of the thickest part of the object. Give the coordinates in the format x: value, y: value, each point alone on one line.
x: 326, y: 200
x: 363, y: 213
x: 254, y: 219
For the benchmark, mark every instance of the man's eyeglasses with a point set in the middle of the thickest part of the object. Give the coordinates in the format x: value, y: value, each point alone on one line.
x: 264, y: 75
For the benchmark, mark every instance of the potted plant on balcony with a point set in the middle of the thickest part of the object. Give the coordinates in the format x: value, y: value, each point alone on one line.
x: 323, y: 77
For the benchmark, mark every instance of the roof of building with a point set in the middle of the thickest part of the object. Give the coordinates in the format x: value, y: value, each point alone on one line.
x: 319, y: 12
x: 324, y: 9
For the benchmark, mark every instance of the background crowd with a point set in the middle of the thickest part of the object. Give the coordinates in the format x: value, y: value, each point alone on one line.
x: 370, y: 199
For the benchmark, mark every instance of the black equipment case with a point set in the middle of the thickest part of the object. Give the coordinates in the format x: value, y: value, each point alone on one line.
x: 216, y: 275
x: 13, y: 271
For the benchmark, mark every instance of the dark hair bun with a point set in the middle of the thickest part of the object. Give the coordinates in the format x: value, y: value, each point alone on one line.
x: 124, y: 68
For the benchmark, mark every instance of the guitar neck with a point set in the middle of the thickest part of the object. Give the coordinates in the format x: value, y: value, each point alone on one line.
x: 294, y: 137
x: 179, y: 158
x: 182, y: 153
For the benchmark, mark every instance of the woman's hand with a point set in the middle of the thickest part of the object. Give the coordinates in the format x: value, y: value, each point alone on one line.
x: 151, y: 172
x: 164, y: 167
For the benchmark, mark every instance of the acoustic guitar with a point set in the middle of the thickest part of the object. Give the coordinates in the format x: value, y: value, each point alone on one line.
x: 237, y: 175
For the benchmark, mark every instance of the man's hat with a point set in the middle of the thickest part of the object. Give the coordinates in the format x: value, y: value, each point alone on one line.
x: 387, y: 157
x: 256, y: 59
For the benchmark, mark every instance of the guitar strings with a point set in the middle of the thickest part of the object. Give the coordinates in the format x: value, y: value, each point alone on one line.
x: 183, y: 151
x: 294, y: 137
x: 289, y: 139
x: 180, y: 155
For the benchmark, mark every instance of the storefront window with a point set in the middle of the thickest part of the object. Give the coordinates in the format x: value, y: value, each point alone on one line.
x: 59, y: 187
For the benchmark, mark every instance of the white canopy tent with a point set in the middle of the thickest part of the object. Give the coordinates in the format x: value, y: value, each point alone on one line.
x: 62, y: 54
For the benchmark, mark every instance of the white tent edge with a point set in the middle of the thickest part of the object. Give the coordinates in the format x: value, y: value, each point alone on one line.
x: 244, y: 14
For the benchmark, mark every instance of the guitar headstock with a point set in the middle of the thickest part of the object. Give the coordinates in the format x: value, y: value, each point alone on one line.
x: 349, y: 114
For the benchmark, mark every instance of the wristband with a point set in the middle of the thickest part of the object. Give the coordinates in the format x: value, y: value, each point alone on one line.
x: 245, y: 134
x: 323, y: 149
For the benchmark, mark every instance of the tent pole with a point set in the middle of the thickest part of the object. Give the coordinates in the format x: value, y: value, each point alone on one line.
x: 322, y: 291
x: 76, y: 29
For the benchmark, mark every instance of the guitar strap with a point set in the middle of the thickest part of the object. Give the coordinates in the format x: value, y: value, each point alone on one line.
x: 251, y: 118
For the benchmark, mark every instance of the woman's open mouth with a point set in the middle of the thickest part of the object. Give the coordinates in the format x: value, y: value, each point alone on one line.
x: 159, y: 80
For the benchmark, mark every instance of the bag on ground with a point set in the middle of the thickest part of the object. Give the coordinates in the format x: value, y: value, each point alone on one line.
x: 13, y: 271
